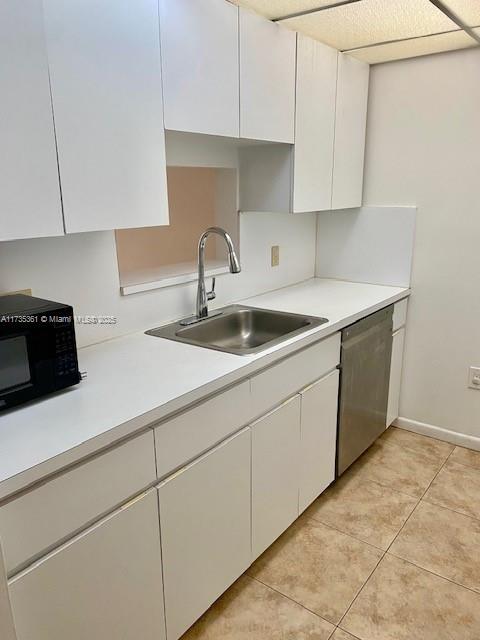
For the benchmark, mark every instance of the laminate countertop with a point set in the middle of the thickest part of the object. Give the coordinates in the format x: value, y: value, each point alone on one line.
x: 136, y: 381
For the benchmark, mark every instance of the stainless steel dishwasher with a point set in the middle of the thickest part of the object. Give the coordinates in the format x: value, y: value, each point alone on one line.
x: 364, y: 381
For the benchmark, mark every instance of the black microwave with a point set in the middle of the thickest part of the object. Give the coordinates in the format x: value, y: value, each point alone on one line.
x: 38, y: 352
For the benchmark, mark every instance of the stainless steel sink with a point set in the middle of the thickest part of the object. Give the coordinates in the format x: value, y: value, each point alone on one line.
x: 240, y: 330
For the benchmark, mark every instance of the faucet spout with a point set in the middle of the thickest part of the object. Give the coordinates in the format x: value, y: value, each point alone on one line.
x: 233, y: 263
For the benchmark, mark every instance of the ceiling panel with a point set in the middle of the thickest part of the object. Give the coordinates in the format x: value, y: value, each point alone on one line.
x: 279, y: 8
x: 416, y: 47
x: 371, y: 21
x: 467, y: 10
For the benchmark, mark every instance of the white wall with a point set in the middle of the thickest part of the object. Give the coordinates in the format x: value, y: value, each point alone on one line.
x: 366, y: 244
x: 81, y: 269
x: 423, y: 148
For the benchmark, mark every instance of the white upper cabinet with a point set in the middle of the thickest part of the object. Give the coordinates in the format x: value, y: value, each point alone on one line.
x: 314, y: 125
x: 350, y: 127
x: 200, y: 66
x: 267, y: 79
x: 29, y: 188
x: 107, y: 96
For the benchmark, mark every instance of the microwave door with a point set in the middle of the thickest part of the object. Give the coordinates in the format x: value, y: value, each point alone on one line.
x: 14, y: 363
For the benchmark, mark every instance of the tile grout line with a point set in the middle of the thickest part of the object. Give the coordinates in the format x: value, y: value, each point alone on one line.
x: 462, y: 464
x: 386, y: 551
x: 361, y: 589
x: 419, y: 501
x: 438, y: 575
x: 268, y: 586
x: 396, y: 445
x: 345, y: 533
x: 459, y: 513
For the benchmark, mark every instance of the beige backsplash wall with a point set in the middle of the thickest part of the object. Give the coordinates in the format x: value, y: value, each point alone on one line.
x: 81, y: 269
x: 191, y: 196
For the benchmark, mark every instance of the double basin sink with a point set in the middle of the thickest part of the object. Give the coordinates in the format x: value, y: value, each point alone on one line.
x: 239, y: 329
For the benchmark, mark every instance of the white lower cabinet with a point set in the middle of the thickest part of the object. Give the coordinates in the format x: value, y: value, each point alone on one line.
x: 318, y: 438
x: 205, y: 530
x: 395, y: 376
x: 7, y: 631
x: 275, y: 473
x: 104, y: 584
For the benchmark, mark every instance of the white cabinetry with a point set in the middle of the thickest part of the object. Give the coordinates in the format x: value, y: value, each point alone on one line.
x: 29, y: 187
x: 324, y: 169
x: 315, y: 125
x: 395, y: 376
x: 205, y: 529
x: 275, y: 473
x: 318, y: 438
x: 398, y: 345
x: 267, y: 79
x: 38, y: 520
x: 7, y: 631
x: 350, y: 128
x: 200, y: 66
x: 107, y: 98
x: 106, y: 583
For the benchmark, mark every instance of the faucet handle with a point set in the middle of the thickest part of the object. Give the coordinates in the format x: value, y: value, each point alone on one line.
x: 211, y: 295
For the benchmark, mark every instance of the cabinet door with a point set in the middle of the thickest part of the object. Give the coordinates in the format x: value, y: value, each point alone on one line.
x: 275, y: 474
x: 205, y: 525
x: 106, y: 583
x: 200, y: 66
x: 395, y: 376
x: 107, y: 97
x: 318, y: 438
x: 267, y: 79
x: 7, y: 631
x: 350, y: 127
x: 315, y: 125
x: 29, y: 187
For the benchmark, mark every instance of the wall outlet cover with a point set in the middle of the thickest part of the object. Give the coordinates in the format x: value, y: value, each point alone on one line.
x: 275, y: 256
x: 474, y: 378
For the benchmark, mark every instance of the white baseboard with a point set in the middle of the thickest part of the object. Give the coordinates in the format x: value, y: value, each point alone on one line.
x: 461, y: 439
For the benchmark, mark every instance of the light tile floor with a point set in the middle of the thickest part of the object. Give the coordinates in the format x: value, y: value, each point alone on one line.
x: 391, y: 551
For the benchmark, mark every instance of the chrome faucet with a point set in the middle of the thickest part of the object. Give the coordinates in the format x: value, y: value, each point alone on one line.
x: 203, y: 296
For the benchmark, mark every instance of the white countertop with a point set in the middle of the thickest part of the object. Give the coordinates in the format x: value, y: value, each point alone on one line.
x: 138, y: 380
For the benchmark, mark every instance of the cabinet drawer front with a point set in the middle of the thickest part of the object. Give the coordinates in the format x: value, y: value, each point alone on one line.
x: 205, y: 531
x: 273, y: 385
x: 275, y: 473
x: 400, y: 314
x: 38, y: 520
x: 104, y: 584
x: 318, y: 438
x: 193, y: 432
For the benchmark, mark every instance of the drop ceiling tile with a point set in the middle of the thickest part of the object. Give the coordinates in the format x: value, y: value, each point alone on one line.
x: 412, y: 48
x: 372, y: 21
x: 279, y: 8
x: 466, y: 10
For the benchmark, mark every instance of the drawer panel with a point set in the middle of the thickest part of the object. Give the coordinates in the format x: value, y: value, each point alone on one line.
x: 400, y: 314
x: 191, y: 433
x: 38, y: 520
x: 274, y: 385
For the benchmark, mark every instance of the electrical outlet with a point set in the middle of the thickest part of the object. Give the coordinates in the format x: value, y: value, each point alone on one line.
x: 275, y: 255
x: 474, y: 378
